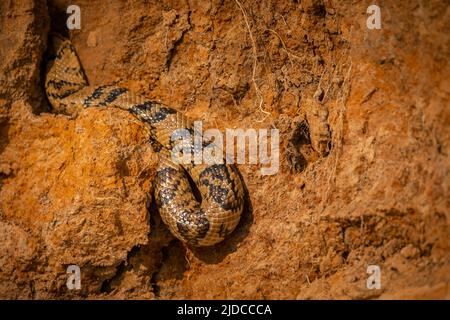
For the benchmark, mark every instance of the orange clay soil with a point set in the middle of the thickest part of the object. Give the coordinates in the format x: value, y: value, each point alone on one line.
x: 364, y: 120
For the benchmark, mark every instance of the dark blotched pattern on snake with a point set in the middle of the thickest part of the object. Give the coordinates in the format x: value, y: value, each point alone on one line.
x: 198, y: 223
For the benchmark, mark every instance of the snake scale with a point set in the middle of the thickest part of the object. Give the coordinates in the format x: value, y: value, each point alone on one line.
x: 197, y: 222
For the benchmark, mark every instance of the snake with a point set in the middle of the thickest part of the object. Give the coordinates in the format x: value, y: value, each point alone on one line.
x: 201, y: 203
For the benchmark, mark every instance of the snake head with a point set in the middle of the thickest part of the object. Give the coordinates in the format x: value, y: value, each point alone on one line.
x: 55, y: 43
x: 64, y: 74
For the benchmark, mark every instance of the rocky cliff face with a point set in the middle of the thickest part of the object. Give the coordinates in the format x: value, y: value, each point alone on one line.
x: 364, y: 118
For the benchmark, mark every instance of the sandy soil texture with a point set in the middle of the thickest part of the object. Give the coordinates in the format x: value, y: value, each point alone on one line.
x: 364, y: 120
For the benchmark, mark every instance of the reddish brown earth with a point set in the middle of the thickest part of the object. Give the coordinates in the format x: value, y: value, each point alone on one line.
x: 371, y: 187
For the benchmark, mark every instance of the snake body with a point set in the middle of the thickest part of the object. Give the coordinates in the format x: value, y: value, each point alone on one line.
x: 197, y: 222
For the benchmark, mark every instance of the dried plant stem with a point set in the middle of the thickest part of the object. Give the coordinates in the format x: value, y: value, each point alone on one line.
x: 255, y: 61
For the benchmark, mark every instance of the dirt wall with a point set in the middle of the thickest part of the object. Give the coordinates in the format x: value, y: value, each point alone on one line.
x: 364, y: 120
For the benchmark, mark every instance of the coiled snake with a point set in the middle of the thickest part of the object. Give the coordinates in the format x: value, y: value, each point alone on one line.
x: 197, y: 223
